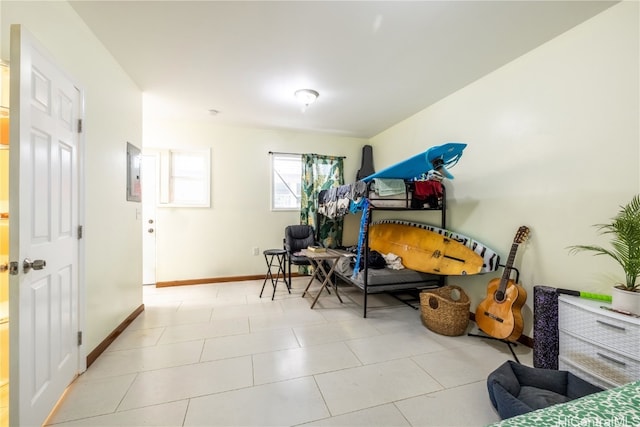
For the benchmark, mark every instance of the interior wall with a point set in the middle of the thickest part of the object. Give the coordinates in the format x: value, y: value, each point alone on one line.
x: 113, y: 116
x: 215, y: 242
x: 553, y: 143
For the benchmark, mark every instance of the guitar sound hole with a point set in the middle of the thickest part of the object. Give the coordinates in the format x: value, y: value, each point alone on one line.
x: 499, y: 296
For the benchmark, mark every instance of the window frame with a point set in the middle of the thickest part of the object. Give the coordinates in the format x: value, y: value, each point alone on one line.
x: 274, y: 179
x: 167, y: 178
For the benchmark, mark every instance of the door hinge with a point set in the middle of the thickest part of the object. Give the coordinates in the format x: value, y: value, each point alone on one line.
x: 80, y: 230
x: 79, y: 338
x: 79, y: 125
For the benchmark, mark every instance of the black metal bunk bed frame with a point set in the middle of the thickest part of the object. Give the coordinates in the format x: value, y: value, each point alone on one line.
x: 414, y: 286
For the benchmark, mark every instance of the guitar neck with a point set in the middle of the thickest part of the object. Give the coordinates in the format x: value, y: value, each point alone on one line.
x: 507, y: 268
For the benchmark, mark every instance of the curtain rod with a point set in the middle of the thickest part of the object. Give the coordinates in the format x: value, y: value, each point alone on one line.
x: 300, y: 154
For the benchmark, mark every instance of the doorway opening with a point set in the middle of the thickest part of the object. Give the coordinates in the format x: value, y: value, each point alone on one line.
x: 149, y: 171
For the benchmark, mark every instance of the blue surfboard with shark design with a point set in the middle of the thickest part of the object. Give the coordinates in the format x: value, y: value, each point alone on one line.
x: 437, y: 158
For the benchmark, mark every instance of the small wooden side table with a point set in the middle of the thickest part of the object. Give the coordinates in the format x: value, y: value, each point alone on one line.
x: 317, y: 261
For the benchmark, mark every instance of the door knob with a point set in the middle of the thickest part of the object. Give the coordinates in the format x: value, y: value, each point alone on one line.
x: 150, y: 230
x: 4, y: 267
x: 28, y: 265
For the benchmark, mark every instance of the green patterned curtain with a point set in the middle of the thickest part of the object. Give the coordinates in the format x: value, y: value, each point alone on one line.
x: 321, y: 173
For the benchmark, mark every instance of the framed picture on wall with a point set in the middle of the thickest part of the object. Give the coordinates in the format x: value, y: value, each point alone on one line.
x: 134, y: 159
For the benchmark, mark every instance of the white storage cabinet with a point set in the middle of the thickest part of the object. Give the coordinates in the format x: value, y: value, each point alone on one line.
x: 598, y: 345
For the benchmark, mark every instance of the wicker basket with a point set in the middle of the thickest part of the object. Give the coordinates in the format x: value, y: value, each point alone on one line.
x: 445, y: 310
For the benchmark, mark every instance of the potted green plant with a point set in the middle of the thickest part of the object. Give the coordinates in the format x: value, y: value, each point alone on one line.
x: 624, y: 230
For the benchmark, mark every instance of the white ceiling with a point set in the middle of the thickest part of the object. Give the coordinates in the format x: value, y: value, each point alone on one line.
x: 374, y: 63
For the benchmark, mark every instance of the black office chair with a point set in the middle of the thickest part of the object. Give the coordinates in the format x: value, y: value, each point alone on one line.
x: 296, y: 238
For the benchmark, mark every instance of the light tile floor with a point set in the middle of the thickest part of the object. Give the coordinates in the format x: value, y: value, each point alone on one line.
x: 218, y: 355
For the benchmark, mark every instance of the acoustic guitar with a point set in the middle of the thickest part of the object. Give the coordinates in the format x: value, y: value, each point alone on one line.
x: 499, y: 313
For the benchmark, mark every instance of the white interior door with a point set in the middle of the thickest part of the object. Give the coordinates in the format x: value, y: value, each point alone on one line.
x: 44, y: 248
x: 149, y: 180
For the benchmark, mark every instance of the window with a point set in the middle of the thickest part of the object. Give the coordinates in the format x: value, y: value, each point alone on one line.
x: 286, y: 179
x: 185, y: 178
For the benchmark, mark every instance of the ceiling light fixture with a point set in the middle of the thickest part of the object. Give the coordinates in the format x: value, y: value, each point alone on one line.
x: 306, y: 96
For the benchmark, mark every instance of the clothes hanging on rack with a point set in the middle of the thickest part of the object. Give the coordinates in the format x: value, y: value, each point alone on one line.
x: 424, y: 189
x: 364, y: 221
x: 427, y: 193
x: 339, y: 201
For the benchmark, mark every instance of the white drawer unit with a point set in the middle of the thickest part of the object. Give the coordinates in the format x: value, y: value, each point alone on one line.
x: 598, y: 345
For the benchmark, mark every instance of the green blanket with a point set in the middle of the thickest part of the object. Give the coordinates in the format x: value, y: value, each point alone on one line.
x: 617, y: 407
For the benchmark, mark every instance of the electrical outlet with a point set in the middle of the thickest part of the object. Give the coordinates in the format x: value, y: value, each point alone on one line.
x: 255, y: 251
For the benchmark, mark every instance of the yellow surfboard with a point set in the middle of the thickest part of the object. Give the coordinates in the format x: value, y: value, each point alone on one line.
x: 424, y: 250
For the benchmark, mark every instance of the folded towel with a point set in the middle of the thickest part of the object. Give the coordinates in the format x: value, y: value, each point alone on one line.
x: 389, y: 187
